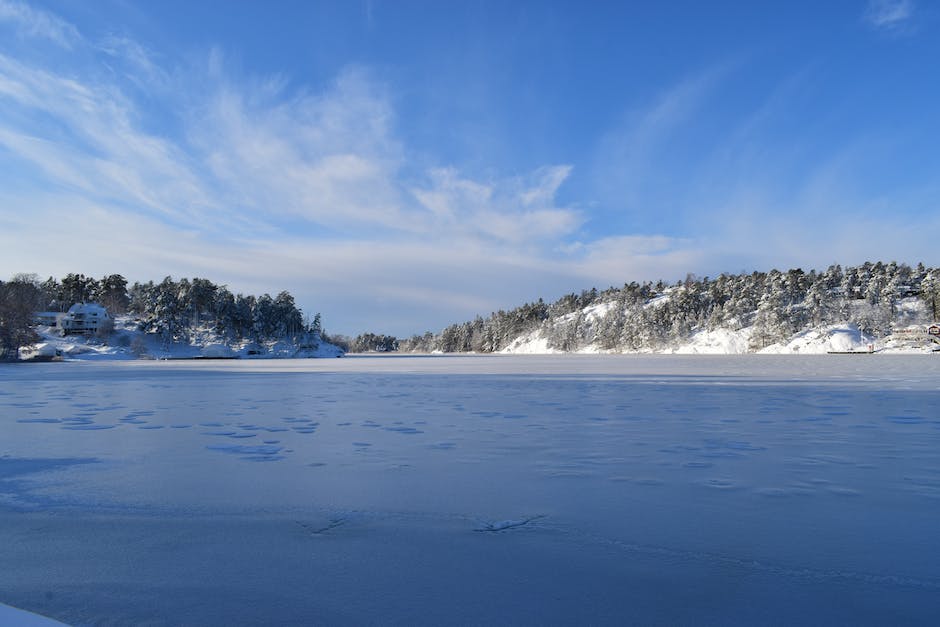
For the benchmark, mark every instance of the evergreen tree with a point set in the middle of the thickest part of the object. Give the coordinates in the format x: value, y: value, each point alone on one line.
x: 930, y: 293
x: 77, y: 288
x: 224, y: 312
x: 20, y: 298
x: 111, y: 293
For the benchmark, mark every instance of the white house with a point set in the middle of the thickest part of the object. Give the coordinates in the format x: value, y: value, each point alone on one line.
x: 85, y: 318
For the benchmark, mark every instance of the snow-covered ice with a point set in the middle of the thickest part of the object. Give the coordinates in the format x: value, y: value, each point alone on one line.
x: 565, y: 489
x: 14, y: 617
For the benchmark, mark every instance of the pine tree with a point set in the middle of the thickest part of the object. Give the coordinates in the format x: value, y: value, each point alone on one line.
x: 77, y: 288
x: 111, y: 293
x: 930, y: 293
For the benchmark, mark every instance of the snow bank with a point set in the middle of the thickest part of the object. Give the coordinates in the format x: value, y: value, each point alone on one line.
x: 835, y: 338
x: 41, y: 351
x: 533, y: 343
x: 717, y: 342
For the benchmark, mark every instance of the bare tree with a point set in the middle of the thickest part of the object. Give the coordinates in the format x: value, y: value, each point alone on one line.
x: 19, y: 300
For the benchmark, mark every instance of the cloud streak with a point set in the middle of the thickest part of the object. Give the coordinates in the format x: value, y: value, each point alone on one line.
x: 629, y: 158
x: 94, y: 145
x: 889, y: 15
x: 32, y: 22
x: 517, y: 210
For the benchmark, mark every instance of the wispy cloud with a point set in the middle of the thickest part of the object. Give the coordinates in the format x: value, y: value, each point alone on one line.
x: 630, y: 156
x: 94, y: 144
x: 136, y: 63
x: 516, y: 210
x: 33, y: 22
x: 889, y: 15
x: 329, y: 159
x: 252, y: 155
x: 261, y: 185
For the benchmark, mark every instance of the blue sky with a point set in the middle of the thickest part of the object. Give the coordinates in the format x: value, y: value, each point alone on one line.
x: 400, y: 165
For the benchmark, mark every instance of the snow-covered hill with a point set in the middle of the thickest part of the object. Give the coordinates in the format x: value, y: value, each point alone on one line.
x: 842, y: 337
x: 852, y: 309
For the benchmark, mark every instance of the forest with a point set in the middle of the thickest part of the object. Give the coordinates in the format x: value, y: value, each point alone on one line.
x: 651, y: 316
x: 175, y: 310
x: 646, y: 316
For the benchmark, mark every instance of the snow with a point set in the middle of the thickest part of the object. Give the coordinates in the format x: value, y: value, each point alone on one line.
x: 662, y: 299
x: 717, y: 342
x: 598, y: 310
x: 13, y: 617
x: 530, y: 344
x: 733, y: 338
x: 912, y: 306
x: 503, y: 489
x: 127, y: 342
x: 836, y: 338
x: 42, y: 350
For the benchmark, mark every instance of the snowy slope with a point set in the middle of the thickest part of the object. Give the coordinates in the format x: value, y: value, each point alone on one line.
x: 717, y: 342
x: 530, y: 344
x: 840, y: 338
x: 843, y: 337
x: 837, y: 338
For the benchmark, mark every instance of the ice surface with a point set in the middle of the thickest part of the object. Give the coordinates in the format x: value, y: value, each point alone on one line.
x: 13, y: 617
x: 478, y: 490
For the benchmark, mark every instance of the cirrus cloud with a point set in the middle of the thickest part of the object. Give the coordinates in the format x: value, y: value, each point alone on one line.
x: 889, y: 15
x: 32, y: 22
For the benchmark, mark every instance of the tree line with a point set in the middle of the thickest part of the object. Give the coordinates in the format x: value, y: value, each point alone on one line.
x: 175, y: 310
x: 652, y: 316
x: 634, y: 317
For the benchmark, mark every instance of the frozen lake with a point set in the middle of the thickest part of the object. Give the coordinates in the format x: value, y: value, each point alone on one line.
x: 474, y: 490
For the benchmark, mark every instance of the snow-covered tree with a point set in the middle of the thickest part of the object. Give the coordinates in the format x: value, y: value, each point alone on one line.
x: 930, y: 293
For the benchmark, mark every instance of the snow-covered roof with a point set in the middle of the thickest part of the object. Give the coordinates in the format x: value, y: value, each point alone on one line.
x: 89, y: 309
